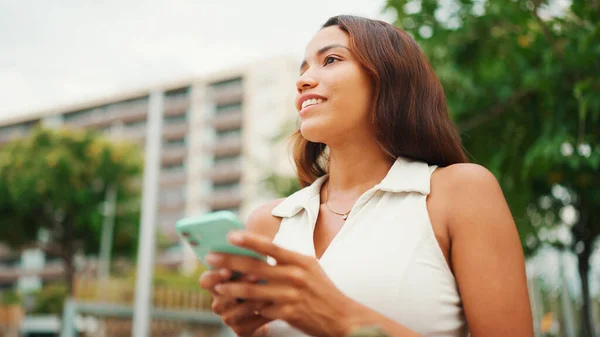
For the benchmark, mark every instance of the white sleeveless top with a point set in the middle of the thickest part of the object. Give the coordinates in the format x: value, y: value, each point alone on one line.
x: 385, y: 256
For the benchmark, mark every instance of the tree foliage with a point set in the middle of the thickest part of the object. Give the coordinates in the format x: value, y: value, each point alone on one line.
x: 522, y: 79
x: 55, y: 181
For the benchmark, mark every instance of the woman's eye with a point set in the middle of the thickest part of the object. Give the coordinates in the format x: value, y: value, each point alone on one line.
x: 329, y: 58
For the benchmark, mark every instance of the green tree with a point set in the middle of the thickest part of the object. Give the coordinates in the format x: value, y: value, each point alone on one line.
x: 522, y: 80
x: 282, y: 185
x: 55, y: 181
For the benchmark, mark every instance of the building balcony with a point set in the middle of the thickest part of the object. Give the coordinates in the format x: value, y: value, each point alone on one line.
x: 173, y: 154
x: 226, y: 172
x: 173, y: 177
x: 178, y: 105
x: 94, y: 119
x: 133, y: 113
x: 225, y: 199
x: 9, y: 136
x: 228, y: 94
x: 172, y: 207
x: 227, y: 146
x: 174, y: 131
x: 134, y: 134
x: 227, y: 121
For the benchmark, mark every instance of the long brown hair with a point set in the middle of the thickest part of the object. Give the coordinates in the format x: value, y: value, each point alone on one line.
x: 410, y: 111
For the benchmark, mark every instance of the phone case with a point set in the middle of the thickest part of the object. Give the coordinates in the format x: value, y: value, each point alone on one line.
x: 208, y: 233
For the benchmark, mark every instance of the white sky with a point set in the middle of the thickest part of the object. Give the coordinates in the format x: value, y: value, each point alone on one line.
x: 65, y: 51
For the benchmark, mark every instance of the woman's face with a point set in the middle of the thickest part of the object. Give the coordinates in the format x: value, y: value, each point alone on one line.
x: 334, y: 93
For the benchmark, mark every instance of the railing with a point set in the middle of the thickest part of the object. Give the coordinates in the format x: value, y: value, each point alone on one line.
x: 226, y: 171
x: 116, y: 320
x: 122, y: 292
x: 10, y: 319
x: 176, y: 105
x: 173, y: 153
x: 7, y: 137
x: 227, y: 94
x: 175, y: 130
x: 110, y: 306
x: 173, y: 177
x: 225, y: 199
x: 227, y: 120
x: 227, y: 145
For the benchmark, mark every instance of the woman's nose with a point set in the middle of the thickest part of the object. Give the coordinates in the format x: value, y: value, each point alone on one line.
x: 306, y: 81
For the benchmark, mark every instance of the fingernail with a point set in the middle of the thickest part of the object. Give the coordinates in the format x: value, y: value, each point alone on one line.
x: 224, y: 273
x: 213, y: 258
x: 218, y: 289
x: 236, y: 237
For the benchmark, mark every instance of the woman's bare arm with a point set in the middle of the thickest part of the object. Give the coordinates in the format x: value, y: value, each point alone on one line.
x: 486, y: 254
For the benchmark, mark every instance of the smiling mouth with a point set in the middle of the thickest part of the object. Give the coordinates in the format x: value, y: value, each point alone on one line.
x: 312, y: 101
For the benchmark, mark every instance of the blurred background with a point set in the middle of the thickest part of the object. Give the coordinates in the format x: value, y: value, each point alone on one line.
x: 118, y: 118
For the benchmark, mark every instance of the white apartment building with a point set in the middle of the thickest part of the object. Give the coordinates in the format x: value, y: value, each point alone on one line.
x: 217, y: 137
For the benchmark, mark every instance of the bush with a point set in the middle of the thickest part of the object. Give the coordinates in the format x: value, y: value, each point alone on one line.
x: 50, y: 299
x: 9, y: 297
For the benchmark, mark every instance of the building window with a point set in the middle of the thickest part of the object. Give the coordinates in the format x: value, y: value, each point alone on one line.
x: 173, y: 166
x: 177, y: 92
x: 226, y: 186
x: 174, y: 142
x: 232, y: 133
x: 173, y: 119
x: 135, y: 124
x: 19, y: 129
x: 80, y: 114
x: 233, y: 82
x: 222, y: 109
x: 227, y: 159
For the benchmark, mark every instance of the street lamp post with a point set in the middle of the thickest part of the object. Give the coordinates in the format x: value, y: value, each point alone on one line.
x: 147, y: 237
x: 108, y: 223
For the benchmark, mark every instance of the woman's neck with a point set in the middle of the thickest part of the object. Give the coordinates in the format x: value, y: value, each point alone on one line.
x: 355, y: 168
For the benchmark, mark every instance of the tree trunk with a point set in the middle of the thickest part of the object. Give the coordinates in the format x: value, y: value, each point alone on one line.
x: 68, y: 250
x: 69, y: 273
x: 583, y: 262
x: 585, y: 234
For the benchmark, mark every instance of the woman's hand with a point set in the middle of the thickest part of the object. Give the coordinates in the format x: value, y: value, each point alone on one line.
x: 297, y: 288
x: 241, y: 316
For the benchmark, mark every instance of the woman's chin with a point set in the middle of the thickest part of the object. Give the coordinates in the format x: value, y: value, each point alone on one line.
x: 313, y: 133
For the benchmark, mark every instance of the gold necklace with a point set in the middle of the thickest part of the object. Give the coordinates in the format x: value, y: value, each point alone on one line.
x: 344, y: 215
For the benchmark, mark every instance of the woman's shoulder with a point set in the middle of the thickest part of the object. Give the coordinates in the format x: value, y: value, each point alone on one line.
x: 468, y: 188
x: 463, y: 174
x: 261, y: 220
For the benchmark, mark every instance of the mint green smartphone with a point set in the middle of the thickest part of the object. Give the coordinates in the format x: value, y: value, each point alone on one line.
x: 208, y: 233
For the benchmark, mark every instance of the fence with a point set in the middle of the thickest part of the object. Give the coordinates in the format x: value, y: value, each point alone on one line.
x: 10, y: 319
x: 123, y: 292
x: 106, y: 310
x: 103, y: 319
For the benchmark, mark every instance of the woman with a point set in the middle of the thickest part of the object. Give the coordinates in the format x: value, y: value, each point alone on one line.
x: 392, y: 228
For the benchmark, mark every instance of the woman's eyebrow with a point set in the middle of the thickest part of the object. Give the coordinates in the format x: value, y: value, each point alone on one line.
x: 323, y: 50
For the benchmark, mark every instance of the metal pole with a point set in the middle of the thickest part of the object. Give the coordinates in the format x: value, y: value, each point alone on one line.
x: 565, y: 298
x: 108, y: 225
x: 537, y: 305
x: 68, y: 319
x: 107, y: 233
x: 147, y: 237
